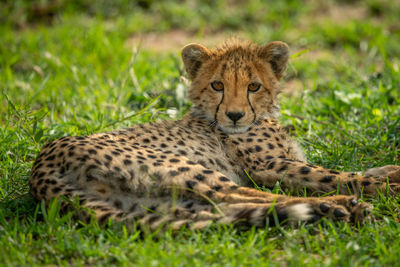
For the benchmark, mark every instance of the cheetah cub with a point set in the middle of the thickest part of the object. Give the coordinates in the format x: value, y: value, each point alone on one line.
x: 195, y: 171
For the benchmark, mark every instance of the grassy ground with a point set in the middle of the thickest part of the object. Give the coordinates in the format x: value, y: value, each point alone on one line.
x: 69, y: 68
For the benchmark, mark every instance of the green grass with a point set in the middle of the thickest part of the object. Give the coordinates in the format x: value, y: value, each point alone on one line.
x: 68, y: 71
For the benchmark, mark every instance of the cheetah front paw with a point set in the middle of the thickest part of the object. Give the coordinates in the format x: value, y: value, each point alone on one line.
x: 339, y: 208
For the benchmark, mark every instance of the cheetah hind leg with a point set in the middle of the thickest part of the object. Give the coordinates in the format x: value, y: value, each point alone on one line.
x: 197, y: 215
x: 152, y: 213
x: 163, y: 212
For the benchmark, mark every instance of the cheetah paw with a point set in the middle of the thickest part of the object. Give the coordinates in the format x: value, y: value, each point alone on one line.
x: 389, y: 171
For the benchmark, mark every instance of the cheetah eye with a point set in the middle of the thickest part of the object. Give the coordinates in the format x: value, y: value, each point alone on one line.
x: 254, y: 87
x: 217, y: 86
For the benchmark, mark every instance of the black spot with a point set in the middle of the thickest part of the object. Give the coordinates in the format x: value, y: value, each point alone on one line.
x: 234, y: 187
x: 56, y: 190
x: 327, y: 179
x: 271, y: 146
x: 82, y: 159
x: 210, y: 193
x: 127, y: 162
x: 118, y: 204
x: 282, y: 168
x: 269, y: 157
x: 182, y: 152
x: 208, y: 171
x: 217, y: 187
x: 221, y: 165
x: 90, y: 177
x: 248, y: 151
x: 258, y: 148
x: 181, y: 143
x: 108, y: 157
x: 117, y: 169
x: 146, y: 140
x: 191, y: 162
x: 183, y: 169
x: 272, y: 129
x: 133, y: 207
x: 156, y: 164
x: 366, y: 183
x: 202, y: 163
x: 199, y: 177
x: 189, y: 205
x: 173, y: 173
x: 266, y: 135
x: 304, y: 170
x: 333, y: 172
x: 43, y: 190
x: 50, y: 157
x: 174, y: 160
x: 224, y: 179
x: 271, y: 165
x: 92, y: 151
x: 191, y: 184
x: 249, y: 140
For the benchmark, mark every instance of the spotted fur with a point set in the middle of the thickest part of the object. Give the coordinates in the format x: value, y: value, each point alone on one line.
x: 194, y: 171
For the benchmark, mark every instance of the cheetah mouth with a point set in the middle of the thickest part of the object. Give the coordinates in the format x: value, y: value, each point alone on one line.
x: 233, y: 129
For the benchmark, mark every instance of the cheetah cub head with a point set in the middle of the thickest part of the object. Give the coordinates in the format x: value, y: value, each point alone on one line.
x: 236, y: 84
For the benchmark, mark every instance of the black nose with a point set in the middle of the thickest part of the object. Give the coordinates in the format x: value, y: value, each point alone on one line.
x: 235, y: 116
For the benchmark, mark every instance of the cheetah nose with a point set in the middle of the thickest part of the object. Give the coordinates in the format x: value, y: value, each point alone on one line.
x: 234, y: 116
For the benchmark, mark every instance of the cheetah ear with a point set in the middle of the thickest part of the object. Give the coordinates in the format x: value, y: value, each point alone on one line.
x: 277, y: 55
x: 193, y: 56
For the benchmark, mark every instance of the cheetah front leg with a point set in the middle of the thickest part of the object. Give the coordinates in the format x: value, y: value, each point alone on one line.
x: 192, y: 180
x: 296, y: 175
